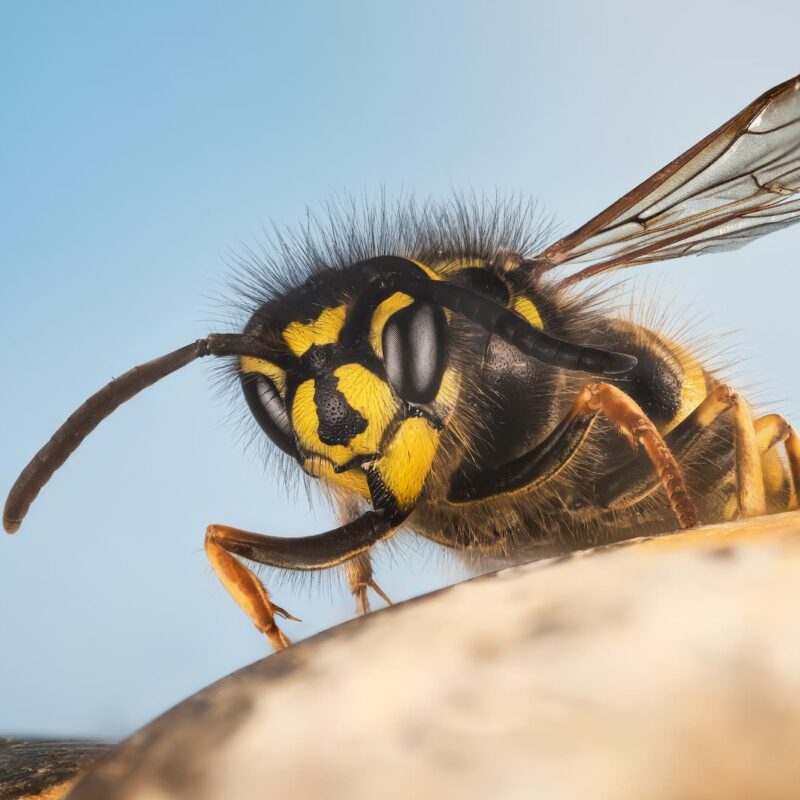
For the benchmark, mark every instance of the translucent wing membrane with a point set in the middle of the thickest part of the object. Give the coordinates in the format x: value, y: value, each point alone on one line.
x: 739, y: 183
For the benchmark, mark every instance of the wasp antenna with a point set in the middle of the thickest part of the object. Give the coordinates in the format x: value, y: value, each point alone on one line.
x: 100, y: 405
x: 401, y: 275
x: 532, y: 341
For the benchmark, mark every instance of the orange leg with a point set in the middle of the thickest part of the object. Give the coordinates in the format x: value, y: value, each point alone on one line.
x: 772, y: 429
x: 245, y: 588
x: 225, y: 546
x: 750, y: 495
x: 628, y: 418
x: 752, y: 439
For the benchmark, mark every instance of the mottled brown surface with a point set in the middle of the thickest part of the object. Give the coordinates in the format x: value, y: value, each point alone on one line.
x: 667, y: 669
x: 41, y: 767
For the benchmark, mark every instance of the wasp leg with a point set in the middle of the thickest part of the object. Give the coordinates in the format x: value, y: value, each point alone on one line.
x: 629, y: 419
x: 771, y: 430
x: 359, y: 569
x: 360, y: 580
x: 633, y: 481
x: 245, y: 588
x: 224, y: 546
x: 549, y: 457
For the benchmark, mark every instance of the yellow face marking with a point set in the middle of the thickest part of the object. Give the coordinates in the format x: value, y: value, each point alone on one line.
x: 248, y: 364
x: 354, y: 480
x: 382, y: 313
x: 407, y: 460
x: 527, y: 310
x: 364, y: 392
x: 325, y: 329
x: 372, y: 398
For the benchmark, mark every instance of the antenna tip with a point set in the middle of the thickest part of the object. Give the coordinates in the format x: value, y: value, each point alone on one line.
x: 11, y: 525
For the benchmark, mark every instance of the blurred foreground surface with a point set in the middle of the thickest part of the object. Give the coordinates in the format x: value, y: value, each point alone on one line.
x: 665, y: 668
x: 43, y: 769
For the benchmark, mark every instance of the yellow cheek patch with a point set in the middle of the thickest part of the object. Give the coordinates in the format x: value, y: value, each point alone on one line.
x: 248, y: 364
x: 304, y: 417
x: 354, y: 480
x: 364, y: 392
x: 528, y: 311
x: 407, y: 460
x: 325, y: 329
x: 382, y: 313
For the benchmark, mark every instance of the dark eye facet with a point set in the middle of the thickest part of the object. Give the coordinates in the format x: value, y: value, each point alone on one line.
x: 268, y: 408
x: 415, y: 351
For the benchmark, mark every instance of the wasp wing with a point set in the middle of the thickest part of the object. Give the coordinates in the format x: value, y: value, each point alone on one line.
x: 742, y: 181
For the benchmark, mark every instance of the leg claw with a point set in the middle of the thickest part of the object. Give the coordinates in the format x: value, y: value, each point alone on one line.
x: 362, y: 600
x: 282, y: 612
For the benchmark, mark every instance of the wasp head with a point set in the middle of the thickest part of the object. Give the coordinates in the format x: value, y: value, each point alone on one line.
x: 343, y: 377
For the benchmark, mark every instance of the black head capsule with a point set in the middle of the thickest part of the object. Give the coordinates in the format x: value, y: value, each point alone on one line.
x: 415, y: 351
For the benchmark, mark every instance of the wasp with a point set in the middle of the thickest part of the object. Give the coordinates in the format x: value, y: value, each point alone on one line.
x: 439, y: 370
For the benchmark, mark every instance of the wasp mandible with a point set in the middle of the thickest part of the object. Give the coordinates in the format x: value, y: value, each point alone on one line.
x: 437, y: 369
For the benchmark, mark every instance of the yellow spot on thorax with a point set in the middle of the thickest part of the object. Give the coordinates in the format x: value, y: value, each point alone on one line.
x: 249, y: 364
x: 325, y: 329
x: 694, y: 387
x: 527, y: 310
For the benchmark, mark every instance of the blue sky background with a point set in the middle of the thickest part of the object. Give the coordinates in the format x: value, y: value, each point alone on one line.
x: 141, y: 143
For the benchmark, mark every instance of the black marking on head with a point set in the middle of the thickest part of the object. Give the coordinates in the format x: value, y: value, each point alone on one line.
x: 339, y: 422
x: 320, y: 358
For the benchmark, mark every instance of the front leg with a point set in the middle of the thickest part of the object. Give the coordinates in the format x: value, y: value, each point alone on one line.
x: 305, y: 553
x: 396, y: 480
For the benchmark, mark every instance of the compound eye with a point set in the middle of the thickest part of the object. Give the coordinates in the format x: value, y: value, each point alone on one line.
x: 415, y: 351
x: 267, y: 406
